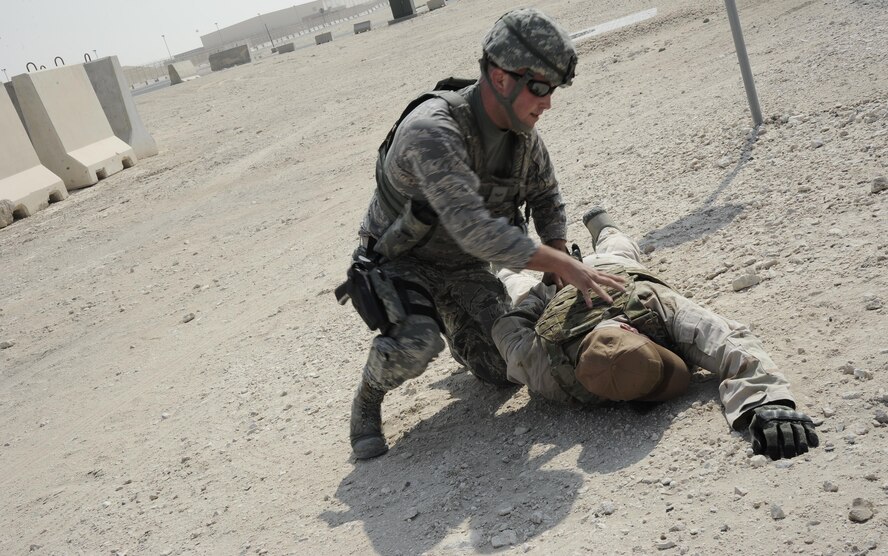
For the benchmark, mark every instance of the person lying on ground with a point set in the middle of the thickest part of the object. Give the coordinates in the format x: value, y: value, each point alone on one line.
x: 641, y: 347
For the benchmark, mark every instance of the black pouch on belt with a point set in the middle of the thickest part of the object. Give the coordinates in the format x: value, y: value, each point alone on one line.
x: 364, y: 278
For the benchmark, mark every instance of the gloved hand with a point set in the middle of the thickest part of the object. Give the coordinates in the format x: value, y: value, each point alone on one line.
x: 780, y: 431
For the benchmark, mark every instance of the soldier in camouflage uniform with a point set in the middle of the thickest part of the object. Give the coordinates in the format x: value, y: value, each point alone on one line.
x: 629, y: 349
x: 451, y: 180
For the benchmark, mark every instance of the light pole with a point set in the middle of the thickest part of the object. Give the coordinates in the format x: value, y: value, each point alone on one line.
x: 4, y: 74
x: 95, y: 54
x: 221, y: 38
x: 266, y: 29
x: 167, y: 46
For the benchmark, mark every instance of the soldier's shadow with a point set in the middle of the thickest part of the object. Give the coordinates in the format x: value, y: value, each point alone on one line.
x: 488, y: 465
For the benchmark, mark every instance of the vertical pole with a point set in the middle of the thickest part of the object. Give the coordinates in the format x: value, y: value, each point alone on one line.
x: 745, y: 70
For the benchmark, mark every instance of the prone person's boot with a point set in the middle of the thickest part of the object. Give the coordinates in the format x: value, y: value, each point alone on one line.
x: 366, y: 422
x: 595, y: 220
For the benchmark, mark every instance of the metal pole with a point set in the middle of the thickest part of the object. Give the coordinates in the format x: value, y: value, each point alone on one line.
x: 221, y: 37
x: 167, y: 47
x: 745, y: 70
x: 4, y: 74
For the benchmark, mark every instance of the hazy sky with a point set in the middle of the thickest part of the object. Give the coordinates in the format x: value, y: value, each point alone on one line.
x: 39, y: 30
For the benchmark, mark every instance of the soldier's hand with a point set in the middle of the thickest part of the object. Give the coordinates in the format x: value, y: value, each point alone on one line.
x: 585, y: 278
x: 781, y: 432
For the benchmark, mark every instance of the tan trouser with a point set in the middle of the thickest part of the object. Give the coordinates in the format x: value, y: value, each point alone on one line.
x: 748, y: 377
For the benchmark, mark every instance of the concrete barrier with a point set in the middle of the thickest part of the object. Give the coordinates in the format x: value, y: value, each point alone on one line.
x: 362, y: 27
x: 26, y: 186
x: 324, y: 37
x: 68, y: 127
x: 284, y: 48
x: 230, y: 58
x: 114, y: 95
x: 434, y: 4
x: 181, y: 72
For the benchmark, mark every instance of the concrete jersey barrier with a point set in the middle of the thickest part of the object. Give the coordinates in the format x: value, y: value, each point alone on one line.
x: 434, y: 4
x: 230, y: 58
x: 180, y: 72
x: 324, y: 37
x: 114, y: 95
x: 67, y: 126
x: 24, y: 182
x: 362, y: 27
x: 284, y: 48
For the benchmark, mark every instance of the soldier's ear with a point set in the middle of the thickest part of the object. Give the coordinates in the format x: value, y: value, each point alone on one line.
x: 498, y: 79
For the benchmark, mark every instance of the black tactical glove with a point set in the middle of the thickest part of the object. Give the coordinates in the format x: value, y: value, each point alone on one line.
x: 781, y: 432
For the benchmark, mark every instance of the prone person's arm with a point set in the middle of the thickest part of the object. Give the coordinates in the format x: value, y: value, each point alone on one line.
x: 527, y: 361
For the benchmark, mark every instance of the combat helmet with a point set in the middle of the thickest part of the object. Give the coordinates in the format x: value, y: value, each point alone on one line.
x: 527, y: 39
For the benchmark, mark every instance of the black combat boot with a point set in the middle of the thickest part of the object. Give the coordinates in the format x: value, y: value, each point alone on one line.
x: 366, y: 422
x: 595, y: 220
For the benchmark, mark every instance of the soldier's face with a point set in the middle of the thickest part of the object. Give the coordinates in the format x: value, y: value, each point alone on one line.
x: 527, y: 106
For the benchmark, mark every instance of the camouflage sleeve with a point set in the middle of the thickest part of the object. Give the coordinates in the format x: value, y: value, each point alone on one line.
x: 544, y: 196
x: 432, y: 154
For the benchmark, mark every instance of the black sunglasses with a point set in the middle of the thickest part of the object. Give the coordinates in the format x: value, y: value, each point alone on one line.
x: 536, y: 88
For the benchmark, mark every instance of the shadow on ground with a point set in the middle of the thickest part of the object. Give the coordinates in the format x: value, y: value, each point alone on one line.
x: 484, y: 465
x: 706, y: 218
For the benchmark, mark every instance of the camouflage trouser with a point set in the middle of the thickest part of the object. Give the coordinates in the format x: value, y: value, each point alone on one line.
x: 467, y: 300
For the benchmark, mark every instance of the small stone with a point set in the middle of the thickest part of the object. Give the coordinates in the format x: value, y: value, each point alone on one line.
x: 871, y: 477
x: 521, y: 430
x: 607, y: 508
x: 6, y: 344
x: 724, y: 528
x: 852, y: 395
x: 758, y: 461
x: 665, y: 545
x: 745, y: 281
x: 838, y: 232
x: 881, y: 416
x: 648, y: 248
x: 816, y: 143
x: 860, y: 428
x: 411, y: 514
x: 861, y: 510
x: 505, y: 510
x: 705, y: 20
x: 828, y: 411
x: 164, y: 415
x: 863, y: 374
x: 829, y: 486
x: 506, y: 538
x: 873, y: 304
x: 879, y: 184
x: 740, y: 491
x: 724, y: 162
x: 536, y: 517
x: 784, y: 464
x: 666, y: 481
x: 188, y: 318
x: 777, y: 512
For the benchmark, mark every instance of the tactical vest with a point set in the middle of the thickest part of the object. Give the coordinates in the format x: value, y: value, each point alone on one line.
x: 566, y: 321
x: 502, y: 196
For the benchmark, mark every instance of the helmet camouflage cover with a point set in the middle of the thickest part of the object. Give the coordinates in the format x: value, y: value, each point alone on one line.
x: 529, y: 39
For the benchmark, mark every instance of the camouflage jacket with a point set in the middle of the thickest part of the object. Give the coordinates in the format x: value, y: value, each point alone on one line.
x: 435, y: 159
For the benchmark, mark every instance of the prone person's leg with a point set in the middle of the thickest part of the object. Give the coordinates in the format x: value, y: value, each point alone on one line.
x: 748, y: 377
